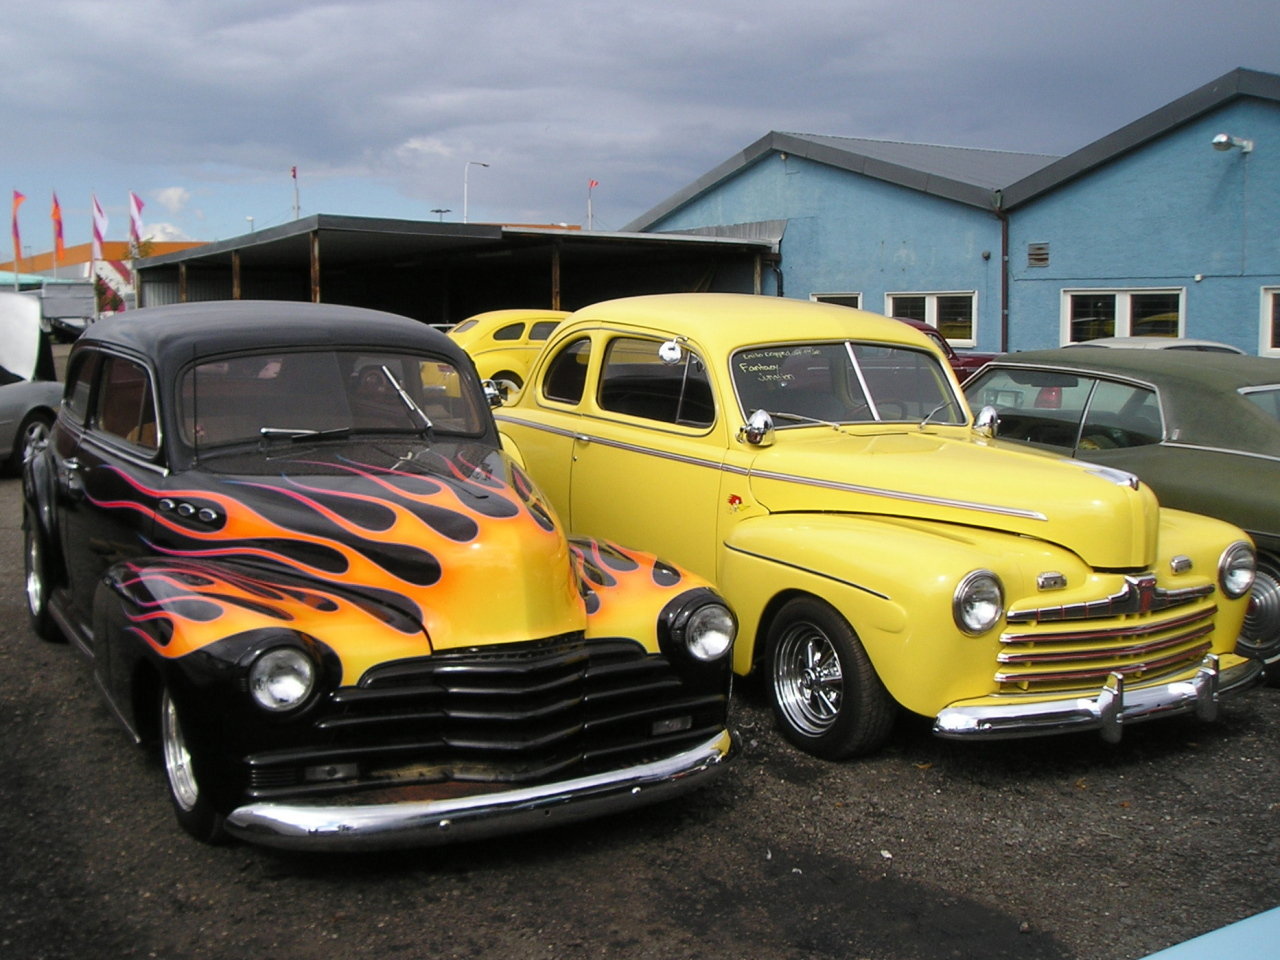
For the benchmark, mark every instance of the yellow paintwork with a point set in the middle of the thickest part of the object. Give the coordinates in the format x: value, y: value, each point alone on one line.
x: 881, y: 520
x: 502, y: 357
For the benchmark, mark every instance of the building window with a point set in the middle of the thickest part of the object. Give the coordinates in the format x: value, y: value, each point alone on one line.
x: 1269, y: 341
x: 842, y: 299
x: 1090, y: 314
x: 951, y: 313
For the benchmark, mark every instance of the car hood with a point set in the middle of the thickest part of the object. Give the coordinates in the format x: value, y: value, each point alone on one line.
x: 453, y: 539
x: 1102, y: 515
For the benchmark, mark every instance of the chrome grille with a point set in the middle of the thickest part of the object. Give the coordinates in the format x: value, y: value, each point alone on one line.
x: 520, y: 714
x: 1142, y: 632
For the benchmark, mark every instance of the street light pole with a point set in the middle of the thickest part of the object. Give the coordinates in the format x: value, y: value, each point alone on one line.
x: 440, y: 212
x: 466, y: 171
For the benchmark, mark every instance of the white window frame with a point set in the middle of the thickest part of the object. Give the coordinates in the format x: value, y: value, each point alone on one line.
x: 1270, y: 296
x: 1123, y: 297
x: 825, y: 296
x: 931, y: 309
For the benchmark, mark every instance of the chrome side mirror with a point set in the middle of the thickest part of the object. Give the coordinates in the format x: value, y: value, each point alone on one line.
x: 670, y: 352
x: 758, y: 430
x: 986, y: 422
x: 495, y: 391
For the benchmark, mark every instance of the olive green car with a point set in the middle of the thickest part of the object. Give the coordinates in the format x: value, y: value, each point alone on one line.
x: 1201, y: 429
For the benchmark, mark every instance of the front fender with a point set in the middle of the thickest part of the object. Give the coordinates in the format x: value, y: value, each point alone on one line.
x: 175, y: 608
x: 893, y: 581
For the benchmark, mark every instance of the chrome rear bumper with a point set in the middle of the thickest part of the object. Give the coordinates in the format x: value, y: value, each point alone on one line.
x: 1108, y: 712
x: 411, y: 823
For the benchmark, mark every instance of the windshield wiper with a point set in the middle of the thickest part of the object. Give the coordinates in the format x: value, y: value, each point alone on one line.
x: 801, y: 418
x: 408, y: 401
x: 929, y: 416
x: 303, y: 433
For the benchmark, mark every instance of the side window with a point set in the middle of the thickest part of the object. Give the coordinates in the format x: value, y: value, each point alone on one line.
x: 637, y: 382
x: 542, y: 329
x: 125, y: 407
x: 1121, y: 415
x: 80, y: 383
x: 512, y: 331
x: 567, y: 374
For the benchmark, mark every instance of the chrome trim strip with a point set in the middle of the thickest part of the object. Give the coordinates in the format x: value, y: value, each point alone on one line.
x: 1036, y: 655
x: 787, y: 477
x: 1111, y: 633
x: 1116, y: 705
x: 301, y: 826
x: 899, y: 495
x: 1204, y: 448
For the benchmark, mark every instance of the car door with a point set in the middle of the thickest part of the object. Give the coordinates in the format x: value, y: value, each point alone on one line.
x: 647, y: 457
x: 104, y: 466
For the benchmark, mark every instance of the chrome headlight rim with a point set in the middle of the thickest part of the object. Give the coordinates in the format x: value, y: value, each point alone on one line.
x: 698, y: 627
x: 1237, y: 568
x: 283, y: 679
x: 977, y: 605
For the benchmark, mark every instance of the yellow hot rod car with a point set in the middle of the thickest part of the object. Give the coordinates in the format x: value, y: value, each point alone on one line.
x: 820, y: 465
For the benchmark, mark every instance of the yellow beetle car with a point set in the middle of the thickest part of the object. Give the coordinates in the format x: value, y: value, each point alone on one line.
x: 502, y: 343
x: 820, y: 465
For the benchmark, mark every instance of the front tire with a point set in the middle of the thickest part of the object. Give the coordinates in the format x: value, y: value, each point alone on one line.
x: 1262, y: 622
x: 191, y: 805
x: 826, y: 696
x: 36, y: 582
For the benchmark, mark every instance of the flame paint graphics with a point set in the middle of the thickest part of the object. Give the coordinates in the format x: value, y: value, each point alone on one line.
x: 475, y: 559
x: 625, y: 588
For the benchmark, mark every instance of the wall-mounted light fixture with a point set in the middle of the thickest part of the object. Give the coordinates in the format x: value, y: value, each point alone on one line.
x: 1225, y: 141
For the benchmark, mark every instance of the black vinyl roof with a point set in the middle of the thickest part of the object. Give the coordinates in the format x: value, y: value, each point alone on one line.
x: 174, y: 335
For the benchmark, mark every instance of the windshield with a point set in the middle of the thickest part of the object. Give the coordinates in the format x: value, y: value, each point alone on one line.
x: 324, y: 392
x: 845, y: 382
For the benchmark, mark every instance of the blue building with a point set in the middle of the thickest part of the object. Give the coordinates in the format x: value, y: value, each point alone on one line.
x: 1168, y: 226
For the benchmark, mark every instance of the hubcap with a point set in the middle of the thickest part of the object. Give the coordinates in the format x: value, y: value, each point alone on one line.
x: 35, y: 586
x: 177, y: 760
x: 37, y: 434
x: 1262, y: 621
x: 807, y: 680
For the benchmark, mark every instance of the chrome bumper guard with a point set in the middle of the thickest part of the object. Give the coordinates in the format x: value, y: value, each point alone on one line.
x: 355, y: 827
x: 1108, y: 712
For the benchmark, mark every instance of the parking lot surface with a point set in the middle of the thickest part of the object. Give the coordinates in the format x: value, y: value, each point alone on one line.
x: 1057, y: 848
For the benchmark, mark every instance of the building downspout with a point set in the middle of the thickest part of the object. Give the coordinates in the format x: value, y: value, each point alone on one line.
x: 997, y: 204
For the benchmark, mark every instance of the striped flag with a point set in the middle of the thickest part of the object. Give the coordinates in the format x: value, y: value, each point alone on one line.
x: 135, y: 219
x: 99, y: 228
x: 17, y: 238
x: 59, y: 247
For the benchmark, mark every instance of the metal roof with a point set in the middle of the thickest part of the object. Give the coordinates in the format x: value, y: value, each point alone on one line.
x: 973, y: 176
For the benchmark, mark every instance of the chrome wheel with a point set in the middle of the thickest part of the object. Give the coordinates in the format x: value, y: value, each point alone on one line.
x: 808, y: 680
x: 1262, y: 621
x: 177, y: 759
x: 35, y: 576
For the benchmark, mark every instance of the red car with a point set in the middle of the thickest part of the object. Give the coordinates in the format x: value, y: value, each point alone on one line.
x: 964, y: 364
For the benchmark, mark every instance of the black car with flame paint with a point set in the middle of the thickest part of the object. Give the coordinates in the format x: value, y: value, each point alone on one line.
x: 287, y: 539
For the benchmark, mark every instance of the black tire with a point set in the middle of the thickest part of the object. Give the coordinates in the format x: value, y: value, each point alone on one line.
x: 34, y: 430
x: 1262, y: 622
x: 191, y: 805
x: 826, y: 696
x: 36, y: 583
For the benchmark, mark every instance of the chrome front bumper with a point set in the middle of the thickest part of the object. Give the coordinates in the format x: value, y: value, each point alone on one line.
x: 1108, y: 712
x: 300, y: 826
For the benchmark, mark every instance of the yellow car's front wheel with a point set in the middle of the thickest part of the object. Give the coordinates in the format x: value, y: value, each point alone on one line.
x: 826, y: 696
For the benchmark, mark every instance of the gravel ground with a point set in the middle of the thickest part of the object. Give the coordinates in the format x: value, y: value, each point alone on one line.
x: 1062, y: 848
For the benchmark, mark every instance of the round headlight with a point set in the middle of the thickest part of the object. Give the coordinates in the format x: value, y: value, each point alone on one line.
x: 978, y: 603
x: 1236, y: 569
x: 709, y: 633
x: 282, y: 679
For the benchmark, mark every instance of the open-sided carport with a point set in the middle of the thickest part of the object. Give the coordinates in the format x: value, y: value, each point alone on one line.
x: 443, y: 272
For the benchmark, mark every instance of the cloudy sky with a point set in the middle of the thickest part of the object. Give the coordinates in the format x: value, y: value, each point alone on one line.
x: 386, y: 107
